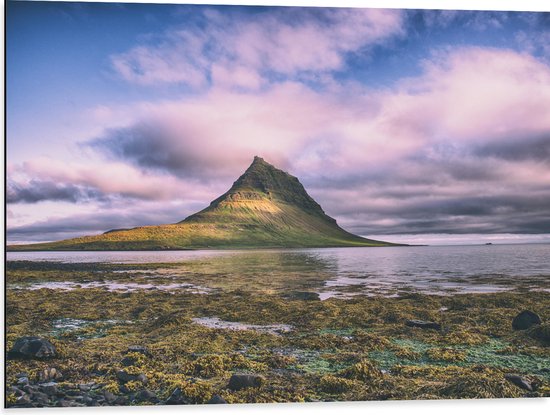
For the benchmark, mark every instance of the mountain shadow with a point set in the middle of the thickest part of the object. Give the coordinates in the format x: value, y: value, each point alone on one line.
x: 265, y: 208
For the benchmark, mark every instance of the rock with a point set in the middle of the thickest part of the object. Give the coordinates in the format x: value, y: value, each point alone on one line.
x: 49, y: 388
x: 541, y: 332
x: 16, y: 391
x: 110, y: 397
x: 242, y: 381
x: 49, y: 374
x: 128, y: 361
x: 216, y: 399
x: 121, y: 400
x: 88, y: 401
x: 176, y: 398
x: 147, y: 396
x: 86, y: 387
x: 524, y: 320
x: 22, y: 381
x: 64, y: 403
x: 40, y: 397
x: 23, y: 400
x: 125, y: 377
x: 519, y: 382
x: 303, y: 295
x: 142, y: 378
x: 31, y: 347
x: 29, y: 388
x: 423, y: 324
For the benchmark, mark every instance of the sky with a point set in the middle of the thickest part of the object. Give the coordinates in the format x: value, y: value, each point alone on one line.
x: 407, y: 125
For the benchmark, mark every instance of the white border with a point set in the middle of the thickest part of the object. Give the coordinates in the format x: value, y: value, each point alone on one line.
x: 446, y: 407
x: 512, y: 5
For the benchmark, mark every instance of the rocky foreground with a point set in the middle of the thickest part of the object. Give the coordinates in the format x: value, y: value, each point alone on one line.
x: 118, y: 344
x: 50, y: 388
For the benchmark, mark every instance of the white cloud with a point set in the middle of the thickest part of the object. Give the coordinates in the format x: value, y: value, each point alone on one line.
x: 285, y: 42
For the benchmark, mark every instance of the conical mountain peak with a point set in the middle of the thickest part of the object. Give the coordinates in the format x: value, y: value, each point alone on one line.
x: 264, y: 181
x: 265, y: 208
x: 263, y: 177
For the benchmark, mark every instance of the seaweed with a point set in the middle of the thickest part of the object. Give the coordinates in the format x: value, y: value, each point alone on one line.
x: 338, y: 349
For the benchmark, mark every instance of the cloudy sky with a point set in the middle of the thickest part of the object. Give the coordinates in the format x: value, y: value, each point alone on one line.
x: 396, y: 121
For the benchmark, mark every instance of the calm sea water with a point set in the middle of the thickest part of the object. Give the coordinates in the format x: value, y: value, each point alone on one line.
x: 348, y: 271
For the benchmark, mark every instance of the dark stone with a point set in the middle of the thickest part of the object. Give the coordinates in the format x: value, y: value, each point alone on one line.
x: 22, y: 381
x: 49, y: 388
x: 541, y: 332
x: 88, y: 401
x: 303, y: 295
x: 16, y: 391
x: 423, y: 324
x: 23, y: 400
x: 142, y: 378
x: 176, y: 398
x: 64, y: 403
x: 125, y: 377
x: 110, y: 397
x: 242, y: 381
x: 128, y: 361
x: 524, y: 320
x: 29, y: 388
x: 31, y: 347
x: 216, y: 399
x: 122, y: 400
x: 147, y: 395
x: 40, y: 397
x: 519, y: 382
x: 85, y: 387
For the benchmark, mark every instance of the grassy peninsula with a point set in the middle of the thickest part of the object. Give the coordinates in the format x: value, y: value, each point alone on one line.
x: 265, y: 208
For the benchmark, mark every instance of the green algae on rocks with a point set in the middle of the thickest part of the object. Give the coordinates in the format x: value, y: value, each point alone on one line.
x: 338, y: 349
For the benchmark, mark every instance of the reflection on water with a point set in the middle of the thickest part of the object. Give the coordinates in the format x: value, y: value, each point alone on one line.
x: 344, y: 272
x: 110, y: 286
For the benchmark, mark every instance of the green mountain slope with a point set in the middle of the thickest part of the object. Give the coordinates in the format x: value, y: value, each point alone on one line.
x: 265, y: 208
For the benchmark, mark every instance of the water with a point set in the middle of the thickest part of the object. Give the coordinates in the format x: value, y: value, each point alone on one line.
x: 130, y: 257
x: 345, y: 272
x: 216, y: 323
x: 110, y: 286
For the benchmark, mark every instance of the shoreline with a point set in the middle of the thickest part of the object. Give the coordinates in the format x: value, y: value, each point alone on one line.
x: 303, y: 349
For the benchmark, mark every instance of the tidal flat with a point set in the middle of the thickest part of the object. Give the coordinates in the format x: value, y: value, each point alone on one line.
x: 198, y: 325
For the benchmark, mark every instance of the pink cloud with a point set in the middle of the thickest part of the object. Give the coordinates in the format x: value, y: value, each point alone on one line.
x: 476, y: 94
x: 467, y: 97
x: 111, y: 178
x: 465, y: 136
x: 246, y: 48
x: 177, y: 59
x: 224, y: 75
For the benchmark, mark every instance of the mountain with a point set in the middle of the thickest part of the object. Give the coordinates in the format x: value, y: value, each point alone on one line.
x: 265, y: 208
